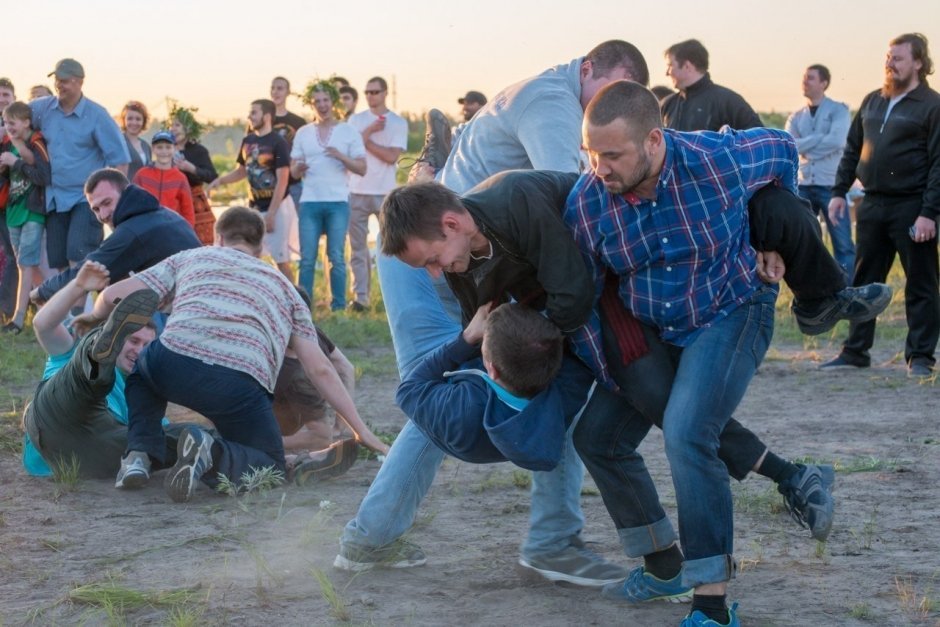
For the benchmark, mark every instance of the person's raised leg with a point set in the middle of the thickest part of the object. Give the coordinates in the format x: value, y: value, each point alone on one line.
x: 417, y: 318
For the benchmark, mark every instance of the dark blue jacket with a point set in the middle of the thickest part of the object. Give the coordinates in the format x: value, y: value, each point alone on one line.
x: 144, y: 235
x: 462, y: 413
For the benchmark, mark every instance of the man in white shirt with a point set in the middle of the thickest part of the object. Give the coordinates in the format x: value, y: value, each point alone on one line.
x: 385, y: 136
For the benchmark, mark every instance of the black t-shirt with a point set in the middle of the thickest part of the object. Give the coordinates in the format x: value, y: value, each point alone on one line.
x: 286, y: 126
x: 262, y: 156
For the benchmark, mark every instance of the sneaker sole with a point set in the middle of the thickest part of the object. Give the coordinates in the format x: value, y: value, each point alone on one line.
x: 180, y: 482
x: 554, y: 575
x: 130, y: 315
x: 343, y: 563
x: 341, y: 457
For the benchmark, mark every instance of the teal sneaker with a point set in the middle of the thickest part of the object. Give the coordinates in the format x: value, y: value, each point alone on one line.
x: 640, y: 587
x: 697, y: 619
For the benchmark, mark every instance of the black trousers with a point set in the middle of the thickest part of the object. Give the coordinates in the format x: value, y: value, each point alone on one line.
x: 881, y: 233
x: 783, y: 222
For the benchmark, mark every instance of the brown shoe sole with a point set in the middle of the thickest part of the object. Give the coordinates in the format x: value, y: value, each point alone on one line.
x: 129, y: 316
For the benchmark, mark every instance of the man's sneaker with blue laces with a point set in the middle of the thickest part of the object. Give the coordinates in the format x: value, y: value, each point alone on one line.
x: 640, y: 587
x: 808, y: 498
x: 194, y: 458
x: 697, y: 619
x: 575, y: 564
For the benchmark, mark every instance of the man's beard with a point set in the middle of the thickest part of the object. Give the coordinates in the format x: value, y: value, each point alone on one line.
x: 895, y: 86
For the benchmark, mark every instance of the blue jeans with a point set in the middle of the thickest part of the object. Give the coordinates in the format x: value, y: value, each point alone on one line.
x: 712, y: 375
x: 238, y: 406
x: 313, y: 220
x: 420, y: 323
x: 606, y: 437
x: 71, y: 235
x: 843, y: 249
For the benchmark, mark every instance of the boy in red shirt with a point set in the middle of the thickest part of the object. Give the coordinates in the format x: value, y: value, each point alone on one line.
x: 164, y: 180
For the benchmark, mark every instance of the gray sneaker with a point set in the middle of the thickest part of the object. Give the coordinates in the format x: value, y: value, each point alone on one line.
x: 134, y: 472
x: 398, y: 554
x: 575, y: 564
x: 855, y: 304
x: 437, y: 140
x: 194, y: 458
x: 808, y: 497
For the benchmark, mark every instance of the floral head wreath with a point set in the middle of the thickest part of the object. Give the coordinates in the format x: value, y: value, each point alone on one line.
x: 186, y: 117
x: 328, y: 87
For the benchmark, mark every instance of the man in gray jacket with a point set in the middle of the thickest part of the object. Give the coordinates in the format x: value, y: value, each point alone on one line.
x: 820, y: 129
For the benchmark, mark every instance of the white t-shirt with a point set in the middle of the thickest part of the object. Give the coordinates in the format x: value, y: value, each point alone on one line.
x: 325, y: 179
x: 380, y: 176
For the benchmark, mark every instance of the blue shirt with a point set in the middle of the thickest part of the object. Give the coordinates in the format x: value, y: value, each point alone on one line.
x: 684, y: 258
x: 85, y: 140
x: 32, y: 460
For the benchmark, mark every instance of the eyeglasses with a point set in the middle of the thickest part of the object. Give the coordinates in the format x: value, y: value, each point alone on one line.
x: 374, y: 92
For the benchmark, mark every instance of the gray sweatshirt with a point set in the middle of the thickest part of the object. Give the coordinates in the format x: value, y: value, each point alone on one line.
x: 533, y: 124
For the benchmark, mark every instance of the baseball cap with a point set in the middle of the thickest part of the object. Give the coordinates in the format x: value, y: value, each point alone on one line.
x: 163, y: 136
x: 473, y: 96
x: 68, y: 68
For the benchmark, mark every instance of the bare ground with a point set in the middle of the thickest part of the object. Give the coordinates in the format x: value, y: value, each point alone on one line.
x: 256, y: 560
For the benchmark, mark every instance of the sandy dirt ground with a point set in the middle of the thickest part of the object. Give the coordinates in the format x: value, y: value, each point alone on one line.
x: 267, y: 559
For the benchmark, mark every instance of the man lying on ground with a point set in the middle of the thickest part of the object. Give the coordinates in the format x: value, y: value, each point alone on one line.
x: 79, y: 411
x: 233, y: 316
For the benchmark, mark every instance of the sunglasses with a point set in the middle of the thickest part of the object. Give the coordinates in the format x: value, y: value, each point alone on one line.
x: 374, y: 92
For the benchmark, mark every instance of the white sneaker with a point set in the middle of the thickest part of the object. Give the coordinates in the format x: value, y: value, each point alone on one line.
x: 134, y: 472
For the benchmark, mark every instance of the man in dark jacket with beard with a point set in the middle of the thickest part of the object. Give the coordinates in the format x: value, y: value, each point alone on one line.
x: 144, y: 233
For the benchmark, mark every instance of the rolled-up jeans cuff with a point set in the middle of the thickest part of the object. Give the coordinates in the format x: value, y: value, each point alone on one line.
x: 640, y: 541
x: 715, y: 569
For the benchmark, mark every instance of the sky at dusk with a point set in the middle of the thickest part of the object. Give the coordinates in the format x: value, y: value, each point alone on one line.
x: 220, y: 55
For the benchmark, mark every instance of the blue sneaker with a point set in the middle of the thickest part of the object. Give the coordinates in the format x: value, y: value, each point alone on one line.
x: 697, y: 619
x: 194, y: 458
x: 640, y: 586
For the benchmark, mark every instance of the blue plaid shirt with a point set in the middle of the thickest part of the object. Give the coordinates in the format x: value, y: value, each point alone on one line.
x: 684, y: 258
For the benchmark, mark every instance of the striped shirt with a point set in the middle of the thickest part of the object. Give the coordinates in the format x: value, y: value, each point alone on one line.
x: 229, y: 309
x: 684, y: 258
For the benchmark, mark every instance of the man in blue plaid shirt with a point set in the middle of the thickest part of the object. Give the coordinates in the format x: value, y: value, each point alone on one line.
x: 666, y: 214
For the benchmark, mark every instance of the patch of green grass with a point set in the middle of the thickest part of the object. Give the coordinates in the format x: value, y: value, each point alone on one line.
x: 21, y: 359
x: 752, y: 497
x: 861, y: 611
x: 65, y: 475
x: 868, y: 463
x: 111, y: 594
x: 333, y: 598
x: 522, y: 479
